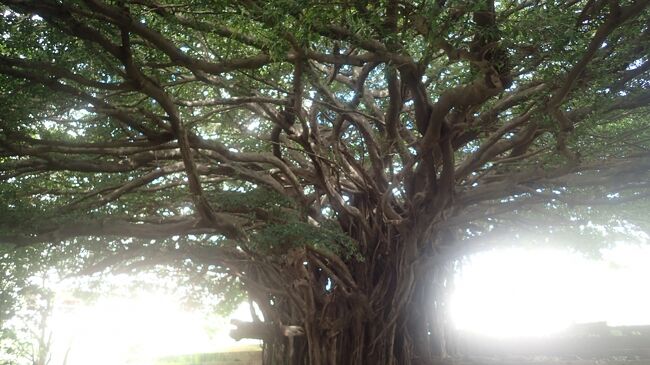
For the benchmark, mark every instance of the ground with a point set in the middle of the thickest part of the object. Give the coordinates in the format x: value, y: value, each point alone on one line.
x: 242, y: 355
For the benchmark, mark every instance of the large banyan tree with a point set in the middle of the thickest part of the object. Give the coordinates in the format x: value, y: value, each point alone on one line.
x: 327, y: 158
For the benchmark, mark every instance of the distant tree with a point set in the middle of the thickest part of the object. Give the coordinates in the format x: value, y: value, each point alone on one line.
x: 327, y: 158
x: 27, y: 339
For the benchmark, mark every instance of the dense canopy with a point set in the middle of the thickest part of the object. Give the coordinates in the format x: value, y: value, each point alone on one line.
x: 326, y: 157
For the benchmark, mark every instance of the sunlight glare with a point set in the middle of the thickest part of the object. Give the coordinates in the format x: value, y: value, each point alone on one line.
x: 538, y: 292
x: 137, y: 330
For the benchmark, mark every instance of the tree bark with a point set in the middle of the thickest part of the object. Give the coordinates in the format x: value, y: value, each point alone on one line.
x: 389, y: 310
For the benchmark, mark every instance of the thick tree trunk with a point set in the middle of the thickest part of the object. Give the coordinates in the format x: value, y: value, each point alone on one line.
x: 416, y: 341
x: 390, y: 310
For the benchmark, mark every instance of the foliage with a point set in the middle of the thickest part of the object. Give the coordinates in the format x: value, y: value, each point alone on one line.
x: 320, y: 157
x: 26, y: 338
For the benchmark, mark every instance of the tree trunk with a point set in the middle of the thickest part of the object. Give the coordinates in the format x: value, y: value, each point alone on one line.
x: 387, y: 310
x: 415, y: 341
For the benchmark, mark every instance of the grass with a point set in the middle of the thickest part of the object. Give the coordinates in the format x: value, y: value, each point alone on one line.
x: 238, y: 355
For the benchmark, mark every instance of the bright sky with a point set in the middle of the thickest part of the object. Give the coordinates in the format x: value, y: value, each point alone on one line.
x: 511, y: 292
x: 519, y: 292
x: 136, y: 330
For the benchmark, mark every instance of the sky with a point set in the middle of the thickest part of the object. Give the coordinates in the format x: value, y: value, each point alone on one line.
x: 501, y: 293
x: 138, y: 329
x: 520, y: 292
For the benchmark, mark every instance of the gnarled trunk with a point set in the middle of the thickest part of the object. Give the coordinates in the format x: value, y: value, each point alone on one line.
x: 388, y: 309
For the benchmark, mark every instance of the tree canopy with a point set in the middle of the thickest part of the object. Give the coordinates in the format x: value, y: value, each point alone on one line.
x: 323, y: 156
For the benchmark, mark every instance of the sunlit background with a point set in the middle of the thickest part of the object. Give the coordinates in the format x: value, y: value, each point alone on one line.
x: 502, y: 293
x: 138, y: 329
x: 537, y: 292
